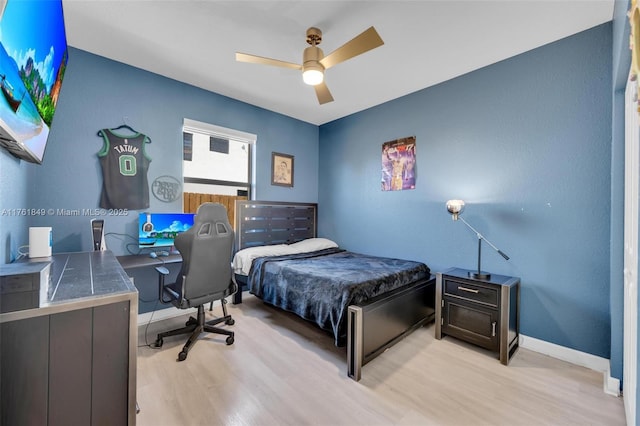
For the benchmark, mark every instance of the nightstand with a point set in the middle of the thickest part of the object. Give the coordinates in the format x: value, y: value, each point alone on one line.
x: 482, y: 312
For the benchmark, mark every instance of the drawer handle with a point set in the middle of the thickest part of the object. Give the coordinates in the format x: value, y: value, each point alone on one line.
x: 470, y: 290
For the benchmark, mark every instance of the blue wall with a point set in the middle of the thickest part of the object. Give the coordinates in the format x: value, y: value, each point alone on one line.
x: 527, y: 144
x: 99, y: 93
x: 14, y: 187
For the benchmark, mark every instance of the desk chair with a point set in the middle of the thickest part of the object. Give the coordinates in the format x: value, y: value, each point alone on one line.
x: 206, y: 250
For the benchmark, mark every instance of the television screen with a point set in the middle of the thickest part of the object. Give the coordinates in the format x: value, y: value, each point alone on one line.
x: 160, y: 229
x: 33, y: 59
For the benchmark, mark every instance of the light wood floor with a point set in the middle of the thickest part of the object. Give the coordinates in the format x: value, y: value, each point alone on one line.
x: 282, y: 370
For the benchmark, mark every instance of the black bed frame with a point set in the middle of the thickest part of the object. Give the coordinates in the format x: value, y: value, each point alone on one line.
x: 372, y: 327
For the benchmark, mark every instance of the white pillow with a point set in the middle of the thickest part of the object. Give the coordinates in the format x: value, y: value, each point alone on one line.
x: 312, y: 244
x: 243, y: 259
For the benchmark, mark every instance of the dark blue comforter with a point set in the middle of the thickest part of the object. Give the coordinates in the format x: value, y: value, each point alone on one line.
x: 319, y: 286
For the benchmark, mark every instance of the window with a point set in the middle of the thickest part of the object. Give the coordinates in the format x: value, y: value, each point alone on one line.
x: 187, y: 146
x: 217, y: 160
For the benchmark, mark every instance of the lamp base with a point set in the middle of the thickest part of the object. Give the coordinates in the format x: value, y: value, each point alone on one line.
x: 480, y: 275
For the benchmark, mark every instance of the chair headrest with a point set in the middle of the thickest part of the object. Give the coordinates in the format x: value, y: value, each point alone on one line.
x: 211, y: 212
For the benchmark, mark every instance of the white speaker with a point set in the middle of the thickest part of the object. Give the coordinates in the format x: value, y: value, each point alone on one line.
x: 40, y: 241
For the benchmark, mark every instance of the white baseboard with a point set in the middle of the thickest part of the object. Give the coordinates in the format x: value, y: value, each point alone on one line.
x: 611, y: 385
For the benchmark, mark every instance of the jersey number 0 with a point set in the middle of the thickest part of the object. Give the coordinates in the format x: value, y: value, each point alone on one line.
x: 127, y: 165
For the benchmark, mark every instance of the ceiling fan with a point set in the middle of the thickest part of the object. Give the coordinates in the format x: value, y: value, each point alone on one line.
x: 314, y: 63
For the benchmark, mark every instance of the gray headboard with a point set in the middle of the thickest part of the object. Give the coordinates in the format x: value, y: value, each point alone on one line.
x: 274, y: 222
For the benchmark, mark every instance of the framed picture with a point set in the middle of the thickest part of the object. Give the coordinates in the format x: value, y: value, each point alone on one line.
x: 281, y: 169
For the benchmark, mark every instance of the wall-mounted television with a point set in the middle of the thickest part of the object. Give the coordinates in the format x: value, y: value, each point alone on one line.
x: 161, y: 229
x: 33, y: 59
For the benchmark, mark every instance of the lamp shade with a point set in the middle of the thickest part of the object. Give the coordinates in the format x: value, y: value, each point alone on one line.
x: 455, y: 207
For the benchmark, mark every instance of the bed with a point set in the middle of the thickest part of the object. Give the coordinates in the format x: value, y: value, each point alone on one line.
x: 367, y: 303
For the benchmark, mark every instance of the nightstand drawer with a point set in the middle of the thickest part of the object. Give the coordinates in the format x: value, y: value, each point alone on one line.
x: 472, y: 292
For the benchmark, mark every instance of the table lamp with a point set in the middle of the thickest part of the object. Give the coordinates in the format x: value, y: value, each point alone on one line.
x: 455, y: 207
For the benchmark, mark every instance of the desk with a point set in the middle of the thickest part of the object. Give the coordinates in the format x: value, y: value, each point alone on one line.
x: 72, y: 360
x: 142, y: 268
x: 144, y: 261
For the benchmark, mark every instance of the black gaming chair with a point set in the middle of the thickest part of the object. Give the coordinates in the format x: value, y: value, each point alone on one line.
x: 205, y: 276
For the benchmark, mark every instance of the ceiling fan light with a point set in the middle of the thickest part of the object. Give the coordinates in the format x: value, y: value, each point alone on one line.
x: 312, y: 69
x: 312, y: 77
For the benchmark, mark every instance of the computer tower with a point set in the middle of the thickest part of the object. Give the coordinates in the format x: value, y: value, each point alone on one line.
x: 97, y: 232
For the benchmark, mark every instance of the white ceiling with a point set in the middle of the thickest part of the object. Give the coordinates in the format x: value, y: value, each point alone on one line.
x: 426, y: 42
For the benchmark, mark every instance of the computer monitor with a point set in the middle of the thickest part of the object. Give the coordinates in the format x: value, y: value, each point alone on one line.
x: 160, y: 229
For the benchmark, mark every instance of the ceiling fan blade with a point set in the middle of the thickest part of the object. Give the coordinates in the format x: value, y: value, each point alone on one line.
x: 323, y: 93
x: 367, y: 40
x: 245, y: 57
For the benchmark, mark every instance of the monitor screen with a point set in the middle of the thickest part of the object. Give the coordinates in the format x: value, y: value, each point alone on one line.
x: 160, y: 229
